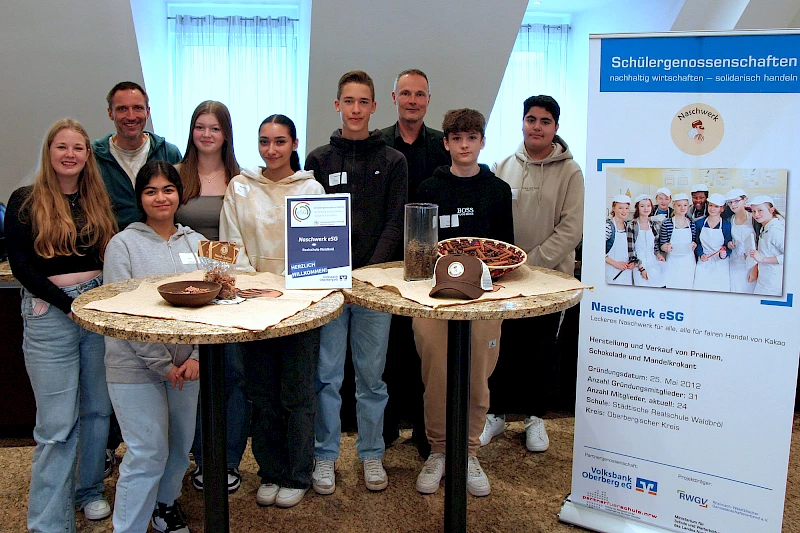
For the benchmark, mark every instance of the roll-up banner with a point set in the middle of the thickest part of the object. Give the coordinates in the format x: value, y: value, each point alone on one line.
x: 689, y: 343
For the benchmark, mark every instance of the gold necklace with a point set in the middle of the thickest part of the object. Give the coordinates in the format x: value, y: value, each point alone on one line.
x: 209, y: 180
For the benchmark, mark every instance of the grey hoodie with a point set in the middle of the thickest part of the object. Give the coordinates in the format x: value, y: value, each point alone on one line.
x: 135, y: 252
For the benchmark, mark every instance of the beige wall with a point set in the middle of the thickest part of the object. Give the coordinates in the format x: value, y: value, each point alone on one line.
x: 59, y: 58
x: 463, y: 47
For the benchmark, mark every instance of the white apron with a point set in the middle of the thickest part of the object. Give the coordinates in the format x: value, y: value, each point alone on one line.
x: 714, y: 274
x: 618, y: 252
x: 679, y: 268
x: 771, y: 244
x: 745, y: 238
x: 645, y: 241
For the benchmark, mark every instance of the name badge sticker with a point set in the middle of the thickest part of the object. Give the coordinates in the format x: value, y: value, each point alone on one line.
x: 454, y: 221
x: 188, y: 258
x: 344, y: 178
x: 334, y: 179
x: 242, y: 189
x: 444, y: 221
x: 515, y: 194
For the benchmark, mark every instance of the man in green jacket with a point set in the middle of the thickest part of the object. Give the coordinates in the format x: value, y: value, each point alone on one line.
x: 120, y: 155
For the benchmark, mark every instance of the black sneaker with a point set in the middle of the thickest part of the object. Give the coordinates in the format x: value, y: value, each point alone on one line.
x: 110, y: 460
x: 197, y: 478
x: 234, y: 480
x: 169, y: 518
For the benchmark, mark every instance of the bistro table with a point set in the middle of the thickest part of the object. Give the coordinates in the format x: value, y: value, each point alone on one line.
x: 212, y: 368
x: 458, y: 363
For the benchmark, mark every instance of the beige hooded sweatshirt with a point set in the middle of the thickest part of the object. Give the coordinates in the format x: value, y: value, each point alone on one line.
x: 547, y: 204
x: 254, y: 214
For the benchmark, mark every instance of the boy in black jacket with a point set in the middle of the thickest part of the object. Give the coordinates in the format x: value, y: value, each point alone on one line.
x: 358, y: 162
x: 473, y: 202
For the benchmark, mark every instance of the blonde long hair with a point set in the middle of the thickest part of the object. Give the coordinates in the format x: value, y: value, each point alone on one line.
x: 55, y: 231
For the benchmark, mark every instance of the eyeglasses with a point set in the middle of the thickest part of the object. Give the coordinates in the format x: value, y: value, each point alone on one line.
x: 735, y: 201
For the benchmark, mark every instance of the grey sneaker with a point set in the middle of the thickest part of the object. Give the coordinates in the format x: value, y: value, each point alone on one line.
x: 97, y: 510
x: 267, y: 494
x: 536, y: 439
x: 289, y: 497
x: 477, y: 482
x: 494, y: 426
x: 431, y: 474
x: 374, y: 475
x: 323, y: 478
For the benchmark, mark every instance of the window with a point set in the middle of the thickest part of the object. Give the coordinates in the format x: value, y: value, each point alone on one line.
x: 252, y: 64
x: 537, y: 65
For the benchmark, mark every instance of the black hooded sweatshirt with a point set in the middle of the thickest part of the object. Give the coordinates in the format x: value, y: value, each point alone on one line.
x: 376, y: 180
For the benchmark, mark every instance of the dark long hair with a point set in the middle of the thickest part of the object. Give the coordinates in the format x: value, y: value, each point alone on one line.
x: 150, y: 170
x: 294, y: 160
x: 189, y: 176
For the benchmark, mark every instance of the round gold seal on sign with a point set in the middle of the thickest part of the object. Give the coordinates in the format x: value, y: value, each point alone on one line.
x: 697, y: 129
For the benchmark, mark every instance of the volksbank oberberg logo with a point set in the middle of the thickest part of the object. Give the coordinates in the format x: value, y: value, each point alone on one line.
x: 616, y: 480
x: 647, y: 486
x: 685, y: 496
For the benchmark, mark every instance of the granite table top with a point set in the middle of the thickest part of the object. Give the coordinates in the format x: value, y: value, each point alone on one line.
x: 148, y: 329
x: 379, y: 299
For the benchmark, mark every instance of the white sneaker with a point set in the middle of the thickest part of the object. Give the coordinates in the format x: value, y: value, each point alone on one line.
x: 97, y: 510
x: 323, y: 478
x: 477, y: 482
x: 289, y: 497
x: 267, y: 493
x: 374, y: 475
x: 494, y: 426
x: 536, y: 439
x: 431, y: 475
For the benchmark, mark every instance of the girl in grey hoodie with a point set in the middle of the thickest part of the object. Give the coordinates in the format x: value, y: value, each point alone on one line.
x: 153, y: 387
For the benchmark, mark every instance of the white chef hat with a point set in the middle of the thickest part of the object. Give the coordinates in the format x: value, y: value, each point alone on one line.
x: 761, y: 199
x: 717, y: 199
x: 700, y: 187
x: 621, y: 199
x: 642, y: 197
x: 665, y: 191
x: 733, y: 194
x: 681, y: 196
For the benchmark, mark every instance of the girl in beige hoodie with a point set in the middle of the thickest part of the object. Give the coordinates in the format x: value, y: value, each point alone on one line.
x: 279, y: 372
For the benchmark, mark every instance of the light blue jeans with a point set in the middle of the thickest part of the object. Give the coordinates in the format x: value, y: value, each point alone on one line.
x: 369, y: 338
x: 157, y: 423
x: 66, y: 370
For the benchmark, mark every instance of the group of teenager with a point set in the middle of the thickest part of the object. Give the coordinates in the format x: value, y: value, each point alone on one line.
x: 128, y: 205
x: 714, y: 242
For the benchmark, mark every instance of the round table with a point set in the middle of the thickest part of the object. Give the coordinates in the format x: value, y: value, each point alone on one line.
x: 212, y: 368
x: 458, y: 363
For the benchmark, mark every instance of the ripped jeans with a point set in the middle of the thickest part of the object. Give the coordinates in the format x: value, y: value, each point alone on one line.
x: 67, y: 373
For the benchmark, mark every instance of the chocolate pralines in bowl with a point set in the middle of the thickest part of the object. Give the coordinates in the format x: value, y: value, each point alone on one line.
x: 499, y: 256
x: 189, y: 293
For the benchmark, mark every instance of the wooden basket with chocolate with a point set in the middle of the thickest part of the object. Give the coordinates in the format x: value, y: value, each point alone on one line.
x: 499, y: 256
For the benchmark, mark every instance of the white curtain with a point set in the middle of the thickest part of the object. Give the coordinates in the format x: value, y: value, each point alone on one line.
x: 537, y: 65
x: 249, y: 64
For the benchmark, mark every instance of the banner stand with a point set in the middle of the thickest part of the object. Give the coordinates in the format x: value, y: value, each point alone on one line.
x: 593, y: 520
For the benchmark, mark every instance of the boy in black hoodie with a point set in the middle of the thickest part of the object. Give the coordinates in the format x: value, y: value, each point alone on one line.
x: 473, y: 202
x: 358, y: 162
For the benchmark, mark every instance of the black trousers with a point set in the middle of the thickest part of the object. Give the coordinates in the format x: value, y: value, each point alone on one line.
x: 279, y: 375
x: 522, y: 382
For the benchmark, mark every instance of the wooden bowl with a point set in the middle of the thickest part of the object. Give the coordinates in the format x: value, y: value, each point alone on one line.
x: 472, y: 245
x: 174, y: 293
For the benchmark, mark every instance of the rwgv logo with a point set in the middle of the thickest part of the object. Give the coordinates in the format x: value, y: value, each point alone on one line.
x: 645, y: 485
x: 685, y: 496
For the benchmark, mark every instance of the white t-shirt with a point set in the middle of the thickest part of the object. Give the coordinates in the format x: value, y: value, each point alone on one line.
x: 131, y: 160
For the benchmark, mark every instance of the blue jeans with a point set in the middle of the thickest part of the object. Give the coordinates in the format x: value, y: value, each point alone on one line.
x: 237, y: 410
x: 157, y: 423
x: 65, y: 366
x: 369, y: 339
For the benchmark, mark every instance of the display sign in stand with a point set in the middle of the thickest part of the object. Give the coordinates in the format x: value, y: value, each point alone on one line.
x: 318, y: 249
x: 685, y: 395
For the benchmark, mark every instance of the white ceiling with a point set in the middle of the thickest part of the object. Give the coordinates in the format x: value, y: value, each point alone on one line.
x: 564, y: 6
